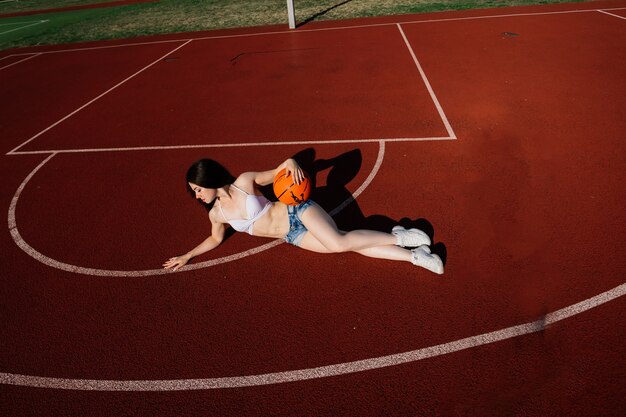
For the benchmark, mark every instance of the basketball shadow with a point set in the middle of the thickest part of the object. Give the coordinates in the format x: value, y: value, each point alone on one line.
x: 343, y: 169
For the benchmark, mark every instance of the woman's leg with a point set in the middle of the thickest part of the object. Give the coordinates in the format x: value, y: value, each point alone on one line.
x: 323, y: 236
x: 392, y: 252
x: 323, y: 227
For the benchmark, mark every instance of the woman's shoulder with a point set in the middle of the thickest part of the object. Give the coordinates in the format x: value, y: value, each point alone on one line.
x: 214, y: 215
x: 245, y: 182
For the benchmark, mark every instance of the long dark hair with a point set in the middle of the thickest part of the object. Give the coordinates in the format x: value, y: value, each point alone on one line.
x: 208, y: 173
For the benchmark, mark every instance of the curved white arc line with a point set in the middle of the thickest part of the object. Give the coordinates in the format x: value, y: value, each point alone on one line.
x: 368, y: 180
x: 12, y: 222
x: 21, y: 243
x: 319, y: 372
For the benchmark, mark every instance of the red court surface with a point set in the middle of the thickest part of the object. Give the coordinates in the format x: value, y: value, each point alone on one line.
x: 500, y: 132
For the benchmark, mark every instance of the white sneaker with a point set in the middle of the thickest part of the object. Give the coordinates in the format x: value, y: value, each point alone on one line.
x: 410, y: 238
x: 422, y: 257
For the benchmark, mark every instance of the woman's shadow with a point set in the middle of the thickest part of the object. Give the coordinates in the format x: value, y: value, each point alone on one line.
x: 343, y: 169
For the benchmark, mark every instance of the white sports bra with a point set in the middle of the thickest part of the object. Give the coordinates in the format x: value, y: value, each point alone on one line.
x: 256, y: 206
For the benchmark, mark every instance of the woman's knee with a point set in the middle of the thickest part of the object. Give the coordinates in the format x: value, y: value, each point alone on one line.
x: 338, y: 244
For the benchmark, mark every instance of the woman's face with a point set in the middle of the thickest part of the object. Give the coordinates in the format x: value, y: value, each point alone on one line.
x: 205, y: 194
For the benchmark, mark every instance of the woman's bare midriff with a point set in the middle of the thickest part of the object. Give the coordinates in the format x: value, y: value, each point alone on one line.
x: 274, y: 223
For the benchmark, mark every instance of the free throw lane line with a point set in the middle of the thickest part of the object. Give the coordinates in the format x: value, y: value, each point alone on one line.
x: 442, y: 115
x: 444, y: 119
x: 232, y: 145
x: 614, y: 15
x: 319, y: 372
x: 98, y: 97
x: 20, y: 61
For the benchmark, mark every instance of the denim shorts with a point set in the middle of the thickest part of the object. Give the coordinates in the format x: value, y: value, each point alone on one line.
x: 296, y: 228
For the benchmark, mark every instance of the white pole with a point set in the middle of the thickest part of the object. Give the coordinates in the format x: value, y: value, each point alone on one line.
x: 292, y: 15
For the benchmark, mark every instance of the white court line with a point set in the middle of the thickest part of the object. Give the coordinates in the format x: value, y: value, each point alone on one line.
x: 428, y: 86
x: 8, y: 56
x: 123, y: 45
x: 20, y: 61
x: 444, y: 119
x: 232, y: 145
x: 101, y: 95
x: 22, y: 23
x: 287, y: 32
x: 366, y: 183
x: 21, y: 243
x: 319, y: 372
x: 24, y: 27
x: 311, y: 373
x: 614, y: 15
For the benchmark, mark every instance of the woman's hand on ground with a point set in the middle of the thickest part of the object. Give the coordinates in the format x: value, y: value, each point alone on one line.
x: 176, y: 262
x: 292, y: 168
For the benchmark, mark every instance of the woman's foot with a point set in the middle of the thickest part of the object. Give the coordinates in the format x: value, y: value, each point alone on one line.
x: 422, y: 257
x: 410, y: 238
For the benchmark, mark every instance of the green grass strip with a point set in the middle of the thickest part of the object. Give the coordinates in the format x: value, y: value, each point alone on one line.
x: 172, y: 16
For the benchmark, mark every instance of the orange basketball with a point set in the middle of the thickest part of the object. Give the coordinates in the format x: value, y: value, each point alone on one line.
x: 288, y: 191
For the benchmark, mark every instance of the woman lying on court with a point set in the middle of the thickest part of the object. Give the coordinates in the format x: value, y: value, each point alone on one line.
x: 238, y: 204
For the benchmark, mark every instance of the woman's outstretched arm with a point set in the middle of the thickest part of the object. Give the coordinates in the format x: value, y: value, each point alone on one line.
x: 217, y: 236
x: 267, y: 177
